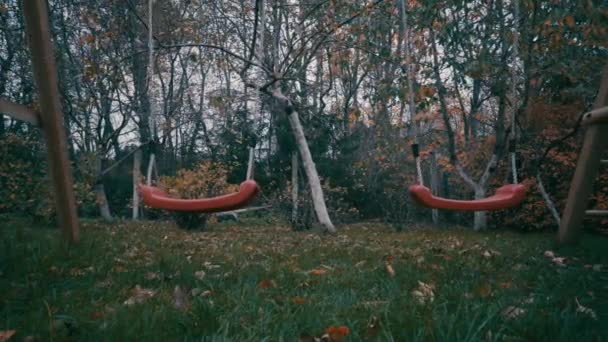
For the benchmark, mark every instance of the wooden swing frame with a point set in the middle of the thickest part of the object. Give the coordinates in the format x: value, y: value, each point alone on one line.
x: 50, y: 116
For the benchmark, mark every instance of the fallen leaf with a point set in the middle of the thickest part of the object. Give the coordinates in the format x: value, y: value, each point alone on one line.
x: 549, y: 254
x: 337, y: 333
x: 139, y: 295
x: 585, y: 310
x: 389, y: 269
x: 5, y: 335
x: 560, y: 261
x: 505, y: 285
x: 199, y: 275
x: 424, y: 293
x: 266, y: 284
x: 152, y: 276
x: 484, y: 290
x: 487, y: 254
x: 512, y: 312
x: 298, y: 300
x: 318, y: 271
x: 181, y: 299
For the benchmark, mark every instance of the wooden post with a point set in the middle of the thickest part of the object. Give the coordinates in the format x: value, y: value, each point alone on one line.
x: 51, y: 116
x: 582, y: 183
x: 586, y: 169
x: 136, y: 180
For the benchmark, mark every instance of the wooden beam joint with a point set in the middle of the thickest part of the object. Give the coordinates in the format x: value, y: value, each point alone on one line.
x: 19, y: 112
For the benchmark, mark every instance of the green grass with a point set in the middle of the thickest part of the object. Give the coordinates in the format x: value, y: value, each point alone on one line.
x: 261, y: 288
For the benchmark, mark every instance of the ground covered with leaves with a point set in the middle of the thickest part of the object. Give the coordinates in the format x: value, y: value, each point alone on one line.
x: 255, y: 281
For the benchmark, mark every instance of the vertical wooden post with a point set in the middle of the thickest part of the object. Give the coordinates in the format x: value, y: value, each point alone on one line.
x: 51, y: 116
x: 136, y: 180
x: 586, y: 170
x: 582, y: 183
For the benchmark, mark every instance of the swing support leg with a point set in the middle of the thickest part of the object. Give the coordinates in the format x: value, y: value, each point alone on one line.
x: 582, y: 183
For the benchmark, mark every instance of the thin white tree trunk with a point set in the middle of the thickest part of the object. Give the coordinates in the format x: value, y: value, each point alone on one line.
x: 480, y: 221
x: 318, y: 199
x: 548, y: 201
x: 250, y: 164
x: 136, y: 180
x: 151, y: 165
x: 294, y: 187
x: 434, y: 185
x: 100, y: 195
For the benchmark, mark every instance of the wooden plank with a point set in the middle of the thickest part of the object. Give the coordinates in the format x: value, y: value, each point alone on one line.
x: 596, y: 117
x: 51, y: 116
x: 596, y: 213
x: 19, y: 112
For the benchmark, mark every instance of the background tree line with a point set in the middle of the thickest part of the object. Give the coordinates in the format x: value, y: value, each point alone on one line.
x: 365, y: 78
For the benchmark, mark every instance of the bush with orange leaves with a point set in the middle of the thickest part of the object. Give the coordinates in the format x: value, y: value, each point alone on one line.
x: 207, y: 179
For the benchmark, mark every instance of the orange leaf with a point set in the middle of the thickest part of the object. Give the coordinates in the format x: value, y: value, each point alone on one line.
x: 298, y: 300
x: 6, y: 335
x: 337, y: 333
x: 318, y: 271
x: 266, y: 284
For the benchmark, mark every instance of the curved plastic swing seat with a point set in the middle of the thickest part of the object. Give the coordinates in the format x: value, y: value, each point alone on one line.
x: 156, y: 198
x: 506, y: 196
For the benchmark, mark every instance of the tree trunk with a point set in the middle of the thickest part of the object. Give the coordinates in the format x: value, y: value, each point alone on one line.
x: 100, y: 194
x: 434, y: 185
x: 481, y: 218
x: 318, y: 198
x: 151, y: 166
x: 294, y: 188
x: 136, y: 180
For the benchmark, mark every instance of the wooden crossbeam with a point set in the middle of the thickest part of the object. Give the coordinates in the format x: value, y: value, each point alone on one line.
x: 596, y: 117
x: 596, y: 213
x: 19, y: 112
x: 38, y: 32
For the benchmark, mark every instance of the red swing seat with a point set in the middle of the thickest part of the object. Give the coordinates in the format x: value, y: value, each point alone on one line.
x: 157, y: 198
x: 507, y: 196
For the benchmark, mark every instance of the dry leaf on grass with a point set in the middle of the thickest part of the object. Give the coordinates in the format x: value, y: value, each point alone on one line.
x: 298, y: 300
x: 389, y: 269
x: 585, y: 310
x: 5, y: 335
x: 318, y: 271
x: 512, y: 312
x: 335, y: 333
x: 152, y: 276
x: 266, y: 284
x: 181, y: 298
x: 199, y: 275
x: 424, y: 293
x: 484, y: 290
x: 559, y: 261
x: 139, y: 295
